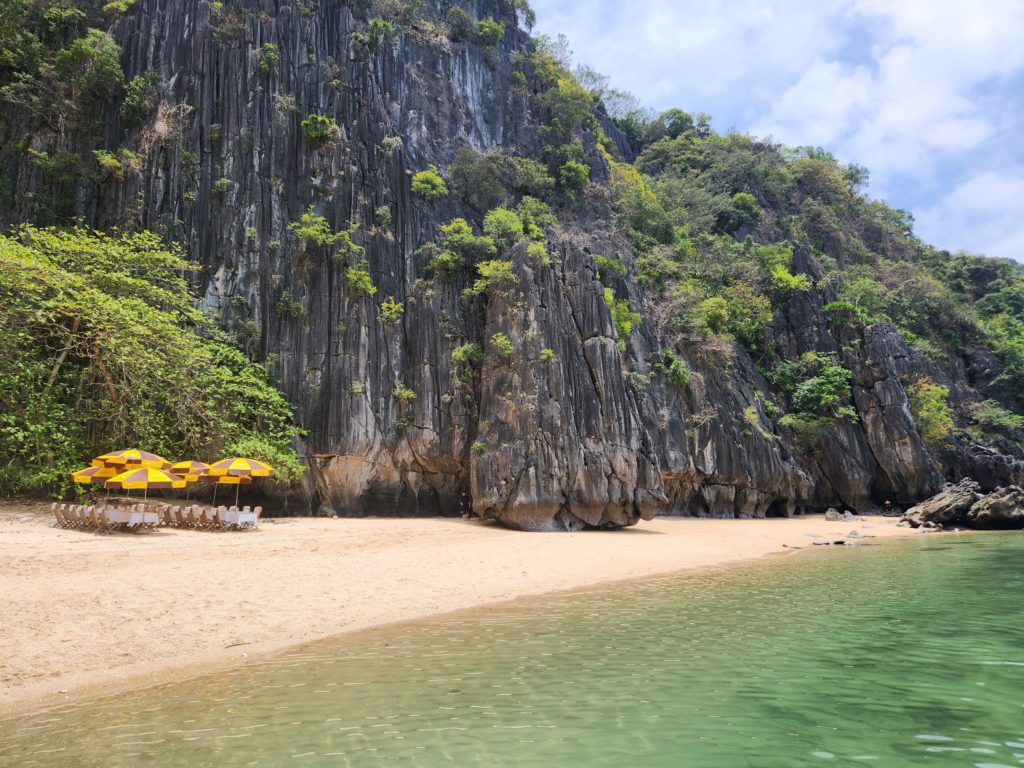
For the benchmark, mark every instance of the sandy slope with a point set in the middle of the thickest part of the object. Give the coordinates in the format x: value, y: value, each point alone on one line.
x: 82, y: 613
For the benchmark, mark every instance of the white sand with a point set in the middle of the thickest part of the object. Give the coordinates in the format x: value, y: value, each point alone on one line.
x: 83, y: 614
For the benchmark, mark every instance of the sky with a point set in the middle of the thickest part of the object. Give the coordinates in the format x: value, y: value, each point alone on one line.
x: 927, y: 94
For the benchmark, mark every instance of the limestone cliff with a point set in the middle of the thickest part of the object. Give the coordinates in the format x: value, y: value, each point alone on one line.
x: 575, y: 428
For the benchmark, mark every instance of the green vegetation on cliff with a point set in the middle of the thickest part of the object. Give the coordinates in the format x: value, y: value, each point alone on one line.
x: 104, y: 348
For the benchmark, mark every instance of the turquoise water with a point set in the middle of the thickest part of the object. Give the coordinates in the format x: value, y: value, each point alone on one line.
x: 898, y: 654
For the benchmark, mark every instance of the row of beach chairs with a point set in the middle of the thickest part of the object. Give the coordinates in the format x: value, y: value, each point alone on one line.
x: 148, y: 516
x: 208, y: 518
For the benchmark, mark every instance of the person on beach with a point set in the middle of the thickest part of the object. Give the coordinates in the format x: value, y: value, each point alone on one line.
x: 888, y: 507
x: 465, y: 506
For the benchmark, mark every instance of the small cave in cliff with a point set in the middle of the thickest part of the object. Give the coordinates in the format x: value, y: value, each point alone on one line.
x: 778, y: 508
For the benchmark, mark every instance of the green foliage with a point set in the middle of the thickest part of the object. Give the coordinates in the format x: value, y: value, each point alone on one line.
x: 119, y: 6
x: 391, y: 311
x: 712, y: 315
x: 457, y: 237
x: 502, y: 346
x: 379, y: 29
x: 489, y: 32
x: 929, y: 405
x: 320, y: 130
x: 503, y: 226
x: 991, y: 417
x: 478, y: 178
x: 547, y: 355
x: 268, y: 59
x: 538, y: 255
x: 428, y: 184
x: 106, y: 349
x: 90, y: 67
x: 141, y: 97
x: 460, y: 25
x: 609, y: 269
x: 468, y: 355
x: 382, y: 217
x: 646, y: 223
x: 676, y: 372
x: 288, y: 306
x: 574, y: 178
x: 743, y: 211
x: 358, y: 279
x: 479, y: 448
x: 404, y: 394
x: 535, y: 215
x: 312, y: 228
x: 220, y: 189
x: 623, y: 318
x: 530, y: 177
x: 496, y: 277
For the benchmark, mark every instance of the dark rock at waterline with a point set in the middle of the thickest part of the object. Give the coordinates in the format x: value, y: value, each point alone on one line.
x: 1003, y: 508
x: 950, y: 505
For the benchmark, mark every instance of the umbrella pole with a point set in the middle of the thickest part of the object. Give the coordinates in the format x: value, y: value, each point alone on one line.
x: 237, y: 489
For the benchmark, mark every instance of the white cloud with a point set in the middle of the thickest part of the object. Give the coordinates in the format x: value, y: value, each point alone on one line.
x: 980, y: 215
x: 925, y: 93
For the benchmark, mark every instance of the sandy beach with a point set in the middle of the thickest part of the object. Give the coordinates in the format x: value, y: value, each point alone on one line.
x: 83, y: 614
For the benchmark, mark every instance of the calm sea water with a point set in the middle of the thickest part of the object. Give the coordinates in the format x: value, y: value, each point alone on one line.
x: 898, y: 654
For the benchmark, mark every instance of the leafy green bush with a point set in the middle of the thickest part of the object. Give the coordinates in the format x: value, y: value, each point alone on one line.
x: 106, y: 348
x: 141, y: 97
x: 503, y: 226
x: 404, y: 394
x: 379, y: 29
x: 609, y: 269
x: 530, y: 177
x: 929, y: 405
x: 391, y: 311
x: 502, y: 346
x: 547, y: 355
x: 468, y: 355
x: 268, y: 58
x: 478, y: 178
x: 460, y: 25
x: 489, y: 32
x: 358, y: 279
x: 220, y: 189
x: 623, y: 318
x: 992, y: 417
x: 320, y: 130
x: 496, y: 277
x: 429, y: 184
x: 574, y: 178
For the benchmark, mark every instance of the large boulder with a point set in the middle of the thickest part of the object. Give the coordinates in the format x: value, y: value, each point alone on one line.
x: 950, y: 505
x: 1003, y: 508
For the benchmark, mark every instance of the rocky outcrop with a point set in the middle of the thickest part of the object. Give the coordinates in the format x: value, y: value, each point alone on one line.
x: 964, y: 504
x: 947, y: 507
x: 1003, y: 508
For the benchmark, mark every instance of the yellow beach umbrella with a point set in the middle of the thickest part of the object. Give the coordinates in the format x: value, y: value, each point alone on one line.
x: 236, y: 467
x: 130, y: 457
x: 236, y: 480
x: 190, y: 471
x: 145, y: 478
x: 93, y: 474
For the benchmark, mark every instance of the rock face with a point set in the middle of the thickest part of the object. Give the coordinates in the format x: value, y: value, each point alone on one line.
x: 578, y: 427
x: 949, y: 506
x: 1003, y: 508
x: 963, y: 504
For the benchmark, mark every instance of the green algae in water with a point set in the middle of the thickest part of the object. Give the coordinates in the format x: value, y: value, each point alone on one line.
x: 900, y: 654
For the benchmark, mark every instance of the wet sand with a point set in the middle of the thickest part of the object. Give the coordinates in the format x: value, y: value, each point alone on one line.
x: 82, y: 614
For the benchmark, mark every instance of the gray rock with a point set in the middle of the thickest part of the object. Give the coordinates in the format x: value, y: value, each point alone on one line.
x: 948, y: 506
x: 1003, y: 508
x: 833, y: 515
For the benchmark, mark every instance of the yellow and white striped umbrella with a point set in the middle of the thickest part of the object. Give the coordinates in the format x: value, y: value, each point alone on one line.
x: 130, y: 457
x: 236, y: 467
x: 145, y: 478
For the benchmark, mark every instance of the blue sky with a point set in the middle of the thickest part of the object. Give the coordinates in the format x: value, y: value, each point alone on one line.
x: 927, y: 94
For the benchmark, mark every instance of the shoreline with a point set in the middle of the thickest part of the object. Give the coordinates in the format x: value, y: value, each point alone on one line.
x: 84, y: 616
